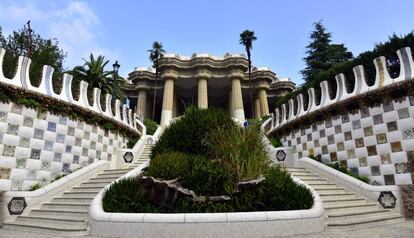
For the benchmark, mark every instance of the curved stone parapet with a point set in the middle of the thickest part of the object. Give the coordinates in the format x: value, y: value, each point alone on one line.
x: 22, y: 80
x: 382, y: 79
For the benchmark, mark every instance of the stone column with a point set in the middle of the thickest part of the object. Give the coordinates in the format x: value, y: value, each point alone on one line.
x: 175, y: 108
x: 167, y: 100
x: 264, y: 106
x: 202, y: 76
x: 236, y: 95
x: 257, y: 108
x: 142, y: 102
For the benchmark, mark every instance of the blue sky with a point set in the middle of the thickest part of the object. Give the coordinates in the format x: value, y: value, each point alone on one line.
x: 125, y: 30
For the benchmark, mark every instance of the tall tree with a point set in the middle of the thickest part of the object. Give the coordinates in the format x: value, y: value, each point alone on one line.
x: 321, y: 53
x: 156, y: 53
x: 93, y: 72
x: 44, y: 52
x: 246, y: 38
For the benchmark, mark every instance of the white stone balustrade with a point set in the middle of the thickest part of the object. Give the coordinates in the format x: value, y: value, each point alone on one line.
x: 21, y: 79
x: 382, y: 79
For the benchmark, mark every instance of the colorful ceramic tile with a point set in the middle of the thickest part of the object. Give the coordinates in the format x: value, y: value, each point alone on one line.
x: 57, y: 157
x: 338, y: 129
x: 289, y: 143
x: 331, y: 140
x: 84, y: 152
x: 340, y: 146
x: 351, y: 154
x: 5, y: 173
x: 12, y: 129
x: 328, y: 123
x: 408, y: 133
x: 71, y: 131
x: 389, y: 179
x: 298, y: 141
x: 345, y: 118
x: 28, y: 121
x: 363, y: 162
x: 368, y: 131
x: 299, y: 155
x: 381, y: 138
x: 396, y: 146
x: 35, y: 154
x: 392, y: 126
x: 316, y: 143
x: 8, y: 150
x: 80, y: 125
x: 388, y: 106
x: 110, y: 157
x: 348, y: 135
x: 364, y: 112
x: 3, y: 116
x: 38, y: 134
x: 63, y: 120
x: 309, y: 137
x: 314, y: 128
x: 375, y: 171
x: 105, y: 148
x: 76, y: 159
x: 311, y: 152
x: 86, y: 135
x: 401, y: 168
x: 354, y: 170
x: 359, y: 142
x: 78, y: 141
x: 372, y: 150
x: 403, y: 113
x: 411, y: 98
x: 16, y: 108
x: 94, y: 129
x: 356, y: 124
x: 51, y: 126
x: 93, y: 145
x: 16, y: 185
x: 66, y: 168
x: 324, y: 149
x: 378, y: 119
x: 24, y: 142
x: 48, y: 145
x: 21, y: 163
x: 41, y: 115
x: 68, y: 149
x: 107, y: 133
x: 322, y: 133
x: 334, y: 157
x: 385, y: 158
x: 60, y: 138
x: 45, y: 165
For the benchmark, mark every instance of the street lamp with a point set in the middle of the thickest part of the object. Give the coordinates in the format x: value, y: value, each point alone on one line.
x: 116, y: 68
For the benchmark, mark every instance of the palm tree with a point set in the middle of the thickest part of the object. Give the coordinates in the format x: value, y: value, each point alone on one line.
x: 156, y: 53
x: 93, y: 72
x: 246, y: 38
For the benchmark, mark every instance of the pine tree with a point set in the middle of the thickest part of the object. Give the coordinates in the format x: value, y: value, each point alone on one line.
x: 322, y: 54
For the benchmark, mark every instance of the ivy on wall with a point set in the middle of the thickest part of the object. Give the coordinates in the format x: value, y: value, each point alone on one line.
x: 41, y: 103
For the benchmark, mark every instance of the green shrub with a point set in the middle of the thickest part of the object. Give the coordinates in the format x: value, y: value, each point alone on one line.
x: 275, y: 142
x: 35, y: 187
x: 169, y: 165
x: 337, y: 166
x: 132, y: 140
x: 186, y: 134
x: 151, y: 126
x: 317, y: 157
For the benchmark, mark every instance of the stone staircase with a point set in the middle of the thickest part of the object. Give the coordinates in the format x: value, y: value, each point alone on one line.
x: 344, y: 208
x: 67, y: 214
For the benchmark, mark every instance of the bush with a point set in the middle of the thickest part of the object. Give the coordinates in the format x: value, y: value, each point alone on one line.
x: 275, y: 142
x: 169, y: 165
x: 186, y: 134
x: 151, y: 126
x: 35, y: 187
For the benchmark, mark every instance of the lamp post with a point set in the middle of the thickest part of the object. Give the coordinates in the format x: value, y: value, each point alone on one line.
x: 116, y: 68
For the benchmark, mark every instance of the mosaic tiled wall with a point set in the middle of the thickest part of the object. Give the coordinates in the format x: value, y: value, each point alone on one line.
x: 377, y: 142
x: 36, y: 147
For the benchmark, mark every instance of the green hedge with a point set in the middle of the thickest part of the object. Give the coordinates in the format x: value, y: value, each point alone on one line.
x: 387, y: 49
x: 151, y: 126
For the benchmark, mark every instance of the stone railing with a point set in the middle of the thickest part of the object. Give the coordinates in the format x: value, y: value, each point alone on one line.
x: 122, y: 115
x: 292, y: 111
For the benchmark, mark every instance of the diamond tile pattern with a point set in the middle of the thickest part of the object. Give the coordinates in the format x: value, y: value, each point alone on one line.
x: 41, y: 145
x: 377, y: 137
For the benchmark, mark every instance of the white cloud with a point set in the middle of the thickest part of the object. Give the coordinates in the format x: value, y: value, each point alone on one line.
x: 75, y: 25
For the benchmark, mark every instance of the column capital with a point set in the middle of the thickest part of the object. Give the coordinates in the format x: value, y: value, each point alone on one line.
x: 202, y: 74
x: 263, y: 86
x: 169, y: 74
x: 236, y: 74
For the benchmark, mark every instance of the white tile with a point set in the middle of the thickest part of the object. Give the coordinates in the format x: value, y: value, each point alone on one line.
x: 11, y: 140
x: 15, y: 119
x: 401, y: 179
x: 46, y: 155
x: 361, y: 152
x: 387, y: 169
x: 383, y: 148
x: 379, y: 179
x: 406, y: 123
x: 33, y: 164
x: 40, y: 124
x: 407, y: 145
x: 21, y: 152
x: 364, y: 171
x: 399, y: 157
x: 37, y: 144
x: 374, y: 160
x: 370, y: 140
x: 26, y: 131
x: 394, y: 136
x: 29, y: 112
x: 5, y: 184
x: 49, y: 136
x: 62, y: 129
x: 390, y: 116
x: 18, y: 174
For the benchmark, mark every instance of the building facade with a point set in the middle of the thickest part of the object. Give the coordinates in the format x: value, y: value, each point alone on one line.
x: 204, y: 81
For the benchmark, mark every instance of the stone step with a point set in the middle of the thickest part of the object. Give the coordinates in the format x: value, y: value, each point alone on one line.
x: 86, y: 189
x: 340, y: 196
x: 93, y: 184
x: 340, y: 193
x: 46, y: 229
x: 76, y: 223
x: 79, y: 195
x: 307, y: 176
x: 104, y: 180
x: 72, y: 200
x: 76, y: 207
x: 317, y: 182
x: 343, y: 203
x: 369, y: 220
x: 349, y: 207
x: 111, y: 176
x: 329, y: 200
x: 312, y: 179
x: 59, y: 213
x: 292, y: 169
x: 106, y: 171
x: 355, y: 214
x: 323, y: 186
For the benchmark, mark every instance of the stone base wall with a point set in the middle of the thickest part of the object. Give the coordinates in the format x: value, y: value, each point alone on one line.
x: 35, y: 147
x: 407, y: 192
x: 374, y: 141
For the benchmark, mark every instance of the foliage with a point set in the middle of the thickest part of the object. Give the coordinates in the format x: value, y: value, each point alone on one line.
x: 132, y: 140
x: 246, y: 39
x: 35, y: 187
x: 93, y: 72
x: 322, y: 54
x: 151, y: 126
x: 240, y: 151
x: 316, y: 157
x: 169, y: 165
x: 44, y: 52
x: 386, y: 49
x: 185, y: 134
x: 59, y: 176
x: 43, y: 103
x: 275, y: 142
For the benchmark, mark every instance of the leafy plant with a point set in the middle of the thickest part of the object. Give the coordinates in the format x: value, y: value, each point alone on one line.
x: 151, y: 126
x: 169, y: 165
x: 275, y: 142
x: 35, y: 187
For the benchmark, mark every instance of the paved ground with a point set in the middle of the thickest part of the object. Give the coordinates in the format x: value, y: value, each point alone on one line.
x: 401, y: 230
